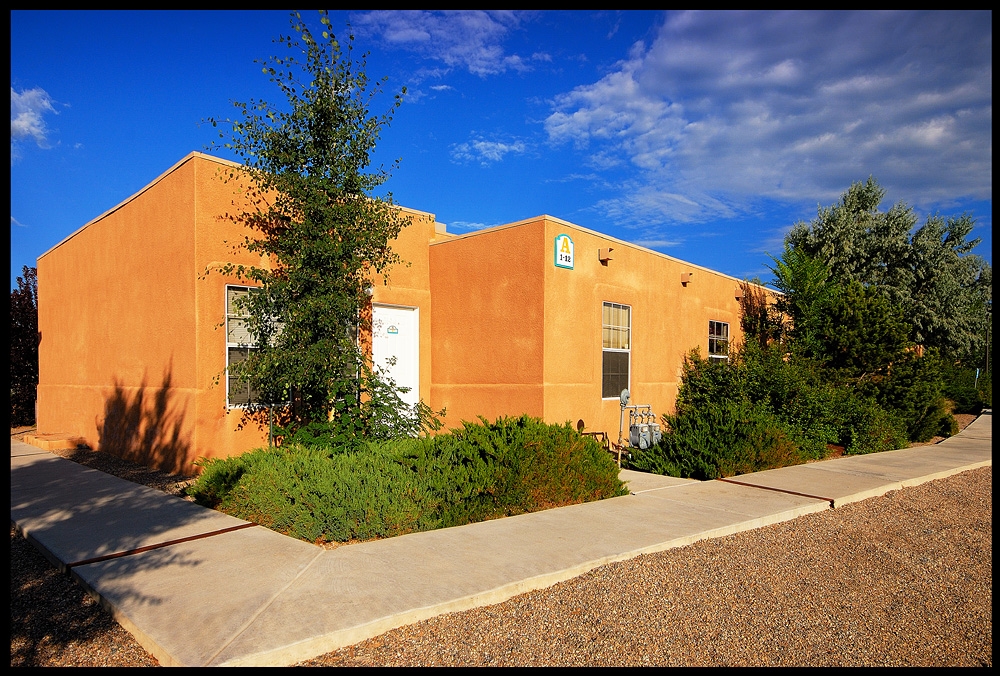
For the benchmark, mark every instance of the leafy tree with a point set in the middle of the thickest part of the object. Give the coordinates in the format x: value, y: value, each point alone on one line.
x: 951, y: 288
x: 24, y: 347
x: 930, y: 272
x: 760, y: 318
x: 314, y: 216
x: 914, y: 390
x: 804, y: 282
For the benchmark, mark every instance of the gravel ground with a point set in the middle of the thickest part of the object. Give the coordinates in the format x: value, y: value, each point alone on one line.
x: 903, y: 579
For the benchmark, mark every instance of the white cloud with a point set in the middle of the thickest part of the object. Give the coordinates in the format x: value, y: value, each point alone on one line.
x: 485, y: 152
x: 726, y: 107
x: 468, y: 39
x: 467, y: 226
x: 658, y: 243
x: 27, y: 121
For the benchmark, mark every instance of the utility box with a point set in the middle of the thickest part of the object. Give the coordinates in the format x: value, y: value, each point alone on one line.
x: 643, y: 431
x: 639, y: 436
x: 644, y: 435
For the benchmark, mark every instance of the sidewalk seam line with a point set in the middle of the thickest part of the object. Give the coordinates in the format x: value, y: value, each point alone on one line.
x: 159, y: 545
x: 779, y: 490
x: 253, y: 618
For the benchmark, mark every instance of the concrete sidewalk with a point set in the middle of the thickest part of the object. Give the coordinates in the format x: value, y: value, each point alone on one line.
x: 198, y: 588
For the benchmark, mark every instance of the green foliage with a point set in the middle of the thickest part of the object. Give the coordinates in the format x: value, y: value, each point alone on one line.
x: 766, y: 408
x: 914, y: 391
x: 868, y: 428
x: 740, y: 416
x: 760, y: 318
x: 854, y: 329
x: 860, y: 288
x: 24, y: 348
x: 984, y: 387
x: 929, y: 271
x: 380, y: 415
x: 313, y: 495
x: 397, y: 486
x: 967, y: 393
x: 803, y: 281
x: 842, y: 324
x: 312, y: 214
x: 719, y: 440
x: 951, y: 288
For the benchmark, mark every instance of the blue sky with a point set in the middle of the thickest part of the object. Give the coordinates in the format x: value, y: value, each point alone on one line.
x: 705, y: 136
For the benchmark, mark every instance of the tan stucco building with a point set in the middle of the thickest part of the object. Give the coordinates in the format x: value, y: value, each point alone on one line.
x: 540, y: 317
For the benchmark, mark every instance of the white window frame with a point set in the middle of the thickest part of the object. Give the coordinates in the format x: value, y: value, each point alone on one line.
x: 611, y: 343
x: 714, y: 337
x: 235, y: 345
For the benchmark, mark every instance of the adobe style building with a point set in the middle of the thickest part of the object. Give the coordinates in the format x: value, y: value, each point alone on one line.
x: 541, y: 317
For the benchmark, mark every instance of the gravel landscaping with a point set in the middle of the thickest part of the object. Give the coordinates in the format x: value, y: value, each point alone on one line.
x: 904, y: 579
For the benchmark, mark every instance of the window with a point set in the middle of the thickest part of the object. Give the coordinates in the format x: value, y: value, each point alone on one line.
x: 718, y: 340
x: 616, y: 338
x: 238, y: 346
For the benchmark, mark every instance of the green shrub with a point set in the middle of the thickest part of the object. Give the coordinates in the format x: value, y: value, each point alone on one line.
x: 913, y: 391
x: 869, y: 428
x: 312, y: 495
x: 795, y: 389
x: 985, y: 389
x: 705, y: 382
x: 388, y: 488
x: 720, y: 440
x: 766, y: 408
x: 949, y: 426
x: 513, y: 465
x: 968, y: 394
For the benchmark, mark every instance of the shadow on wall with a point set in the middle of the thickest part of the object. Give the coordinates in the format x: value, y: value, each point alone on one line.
x: 142, y: 425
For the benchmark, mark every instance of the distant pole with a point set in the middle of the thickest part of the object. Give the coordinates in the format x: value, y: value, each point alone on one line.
x: 986, y: 365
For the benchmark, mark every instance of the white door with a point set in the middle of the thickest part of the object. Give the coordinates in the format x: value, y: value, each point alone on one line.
x: 396, y: 333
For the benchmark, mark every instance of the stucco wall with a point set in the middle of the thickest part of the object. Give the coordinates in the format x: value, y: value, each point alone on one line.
x: 117, y: 352
x: 488, y: 344
x: 218, y: 191
x: 133, y: 347
x: 668, y: 319
x: 513, y: 333
x: 132, y: 310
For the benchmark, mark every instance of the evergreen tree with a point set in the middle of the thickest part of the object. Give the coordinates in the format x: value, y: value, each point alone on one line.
x: 24, y: 348
x: 840, y: 324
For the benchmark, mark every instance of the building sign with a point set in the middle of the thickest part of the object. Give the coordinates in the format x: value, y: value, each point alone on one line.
x: 564, y: 252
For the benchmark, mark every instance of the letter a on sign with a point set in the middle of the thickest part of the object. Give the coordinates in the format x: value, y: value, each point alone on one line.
x: 564, y: 252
